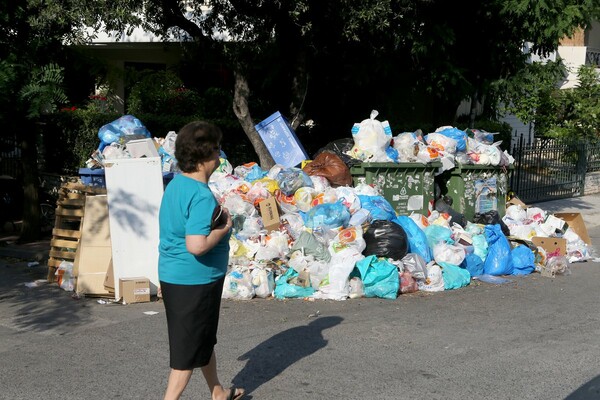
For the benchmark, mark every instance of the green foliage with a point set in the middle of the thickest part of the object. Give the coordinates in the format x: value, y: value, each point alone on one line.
x: 529, y: 90
x: 70, y: 137
x: 44, y: 92
x: 576, y: 112
x: 161, y: 92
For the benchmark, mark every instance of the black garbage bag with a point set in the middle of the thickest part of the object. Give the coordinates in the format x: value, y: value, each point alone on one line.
x: 340, y: 147
x: 444, y: 205
x: 491, y: 218
x: 386, y: 239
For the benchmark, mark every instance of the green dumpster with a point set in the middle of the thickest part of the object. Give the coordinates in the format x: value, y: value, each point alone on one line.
x: 476, y: 188
x: 408, y: 187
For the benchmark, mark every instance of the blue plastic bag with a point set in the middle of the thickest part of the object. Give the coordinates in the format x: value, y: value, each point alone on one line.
x: 455, y: 277
x: 392, y: 153
x: 127, y: 125
x: 458, y: 135
x: 292, y: 179
x: 417, y: 240
x: 378, y: 207
x: 380, y: 277
x: 523, y: 260
x: 499, y: 258
x: 327, y: 216
x: 286, y: 290
x: 436, y: 234
x: 473, y: 263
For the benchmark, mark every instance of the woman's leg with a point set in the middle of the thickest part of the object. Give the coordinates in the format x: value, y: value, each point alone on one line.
x: 178, y: 380
x: 212, y: 380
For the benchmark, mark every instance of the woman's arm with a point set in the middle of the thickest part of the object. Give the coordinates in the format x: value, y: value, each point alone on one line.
x: 200, y: 244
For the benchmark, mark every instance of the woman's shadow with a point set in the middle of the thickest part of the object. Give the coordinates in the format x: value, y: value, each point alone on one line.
x: 274, y: 355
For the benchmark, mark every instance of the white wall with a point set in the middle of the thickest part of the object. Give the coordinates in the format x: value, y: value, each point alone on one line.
x: 573, y: 57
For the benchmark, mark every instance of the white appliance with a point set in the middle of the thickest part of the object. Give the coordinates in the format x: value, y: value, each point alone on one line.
x: 134, y: 188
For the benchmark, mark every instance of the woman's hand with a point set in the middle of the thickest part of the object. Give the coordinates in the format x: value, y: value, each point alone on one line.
x: 200, y: 244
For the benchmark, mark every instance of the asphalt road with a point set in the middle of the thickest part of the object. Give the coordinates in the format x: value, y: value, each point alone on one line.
x: 532, y: 338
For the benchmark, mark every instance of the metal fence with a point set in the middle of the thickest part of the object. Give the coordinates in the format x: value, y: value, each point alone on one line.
x: 549, y: 169
x: 10, y: 156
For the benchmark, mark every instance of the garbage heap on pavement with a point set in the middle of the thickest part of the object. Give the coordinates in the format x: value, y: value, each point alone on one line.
x: 325, y: 232
x: 314, y: 232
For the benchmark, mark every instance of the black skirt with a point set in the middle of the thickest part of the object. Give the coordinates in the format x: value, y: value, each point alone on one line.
x: 192, y: 322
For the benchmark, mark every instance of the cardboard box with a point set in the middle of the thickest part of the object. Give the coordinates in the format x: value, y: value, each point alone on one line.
x: 281, y: 141
x: 575, y: 222
x: 134, y: 290
x: 269, y: 214
x: 551, y: 244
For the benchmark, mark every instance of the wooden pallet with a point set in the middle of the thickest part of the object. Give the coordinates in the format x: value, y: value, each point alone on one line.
x: 67, y: 227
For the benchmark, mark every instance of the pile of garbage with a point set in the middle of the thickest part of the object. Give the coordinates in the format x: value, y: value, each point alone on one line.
x: 373, y: 141
x: 128, y: 137
x: 339, y: 242
x: 328, y: 237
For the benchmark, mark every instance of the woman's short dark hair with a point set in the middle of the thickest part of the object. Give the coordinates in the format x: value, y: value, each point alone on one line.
x: 196, y: 142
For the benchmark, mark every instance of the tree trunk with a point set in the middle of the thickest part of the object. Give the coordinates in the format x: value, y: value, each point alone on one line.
x: 242, y: 112
x: 30, y: 229
x: 473, y: 109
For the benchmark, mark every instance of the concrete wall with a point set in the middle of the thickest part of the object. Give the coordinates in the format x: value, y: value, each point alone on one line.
x: 592, y: 183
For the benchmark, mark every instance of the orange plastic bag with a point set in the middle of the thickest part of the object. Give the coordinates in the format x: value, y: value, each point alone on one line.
x: 329, y: 165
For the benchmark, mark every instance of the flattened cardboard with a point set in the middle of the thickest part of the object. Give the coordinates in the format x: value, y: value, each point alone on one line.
x: 516, y: 201
x: 109, y: 279
x: 269, y: 214
x: 575, y: 222
x: 550, y: 245
x: 134, y: 290
x: 94, y: 250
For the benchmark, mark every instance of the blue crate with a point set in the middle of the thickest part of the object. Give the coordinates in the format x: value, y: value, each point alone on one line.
x: 281, y: 141
x: 95, y: 177
x: 92, y: 177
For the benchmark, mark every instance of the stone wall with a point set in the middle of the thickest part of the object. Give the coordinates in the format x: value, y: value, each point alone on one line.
x: 592, y: 182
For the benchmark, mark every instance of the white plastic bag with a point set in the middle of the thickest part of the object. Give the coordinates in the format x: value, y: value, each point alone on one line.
x: 371, y: 138
x: 238, y: 284
x: 434, y: 281
x: 263, y: 281
x: 65, y: 268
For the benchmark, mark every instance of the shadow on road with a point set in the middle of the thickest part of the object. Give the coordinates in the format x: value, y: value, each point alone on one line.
x: 271, y: 357
x: 41, y: 309
x: 588, y: 391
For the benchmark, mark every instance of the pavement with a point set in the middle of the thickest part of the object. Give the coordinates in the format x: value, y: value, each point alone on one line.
x: 530, y: 338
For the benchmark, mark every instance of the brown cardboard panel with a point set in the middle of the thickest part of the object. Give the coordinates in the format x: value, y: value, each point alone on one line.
x: 551, y: 244
x: 134, y: 290
x: 95, y: 230
x: 94, y: 252
x: 516, y: 201
x: 269, y: 214
x: 575, y: 222
x: 92, y: 284
x: 109, y: 280
x: 94, y: 259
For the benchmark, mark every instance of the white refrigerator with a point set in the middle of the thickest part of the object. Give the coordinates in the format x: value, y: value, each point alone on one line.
x: 134, y: 189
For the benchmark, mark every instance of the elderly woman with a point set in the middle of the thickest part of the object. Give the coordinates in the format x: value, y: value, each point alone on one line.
x: 193, y: 261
